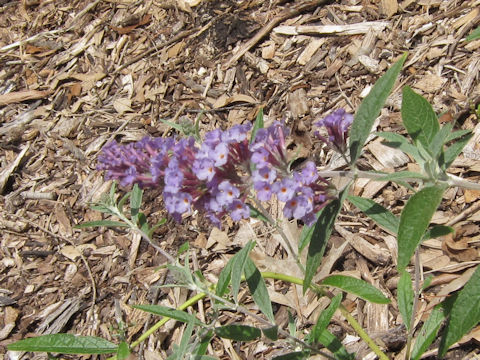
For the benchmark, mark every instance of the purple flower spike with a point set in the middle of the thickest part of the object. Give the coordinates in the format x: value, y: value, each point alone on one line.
x: 337, y: 124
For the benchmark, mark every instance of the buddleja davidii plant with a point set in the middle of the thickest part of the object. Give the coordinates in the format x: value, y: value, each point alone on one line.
x: 434, y: 149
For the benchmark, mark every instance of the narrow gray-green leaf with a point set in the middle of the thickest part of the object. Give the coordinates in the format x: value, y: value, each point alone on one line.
x: 239, y: 261
x: 451, y: 153
x: 377, y: 212
x: 64, y: 344
x: 238, y: 332
x: 106, y: 223
x: 405, y: 298
x: 320, y: 235
x: 224, y: 278
x: 464, y: 315
x: 184, y: 342
x: 135, y: 201
x: 400, y: 142
x: 440, y: 138
x: 169, y: 312
x: 324, y: 318
x: 437, y: 231
x: 418, y: 117
x: 357, y: 287
x: 428, y: 332
x: 332, y: 343
x: 257, y: 125
x: 370, y: 109
x: 402, y: 175
x: 258, y: 289
x: 414, y: 220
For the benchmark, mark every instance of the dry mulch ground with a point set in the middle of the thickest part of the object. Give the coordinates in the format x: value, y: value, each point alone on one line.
x: 76, y: 74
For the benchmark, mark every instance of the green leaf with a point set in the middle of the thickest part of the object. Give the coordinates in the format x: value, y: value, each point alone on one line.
x: 239, y: 261
x: 474, y: 35
x: 123, y: 351
x: 257, y: 125
x: 184, y: 247
x: 292, y: 328
x: 201, y: 349
x: 271, y: 332
x: 169, y: 312
x: 122, y: 201
x: 464, y: 315
x: 418, y: 117
x: 370, y: 109
x: 428, y: 332
x: 405, y: 298
x: 135, y: 201
x: 451, y: 153
x: 357, y: 287
x: 296, y: 355
x: 400, y: 142
x: 376, y: 212
x: 238, y: 332
x: 108, y: 223
x: 64, y: 344
x: 320, y: 235
x: 324, y: 318
x: 224, y: 278
x: 331, y: 342
x: 457, y: 134
x: 437, y: 231
x: 257, y: 214
x: 400, y: 175
x: 440, y: 139
x: 305, y: 236
x: 414, y: 220
x: 186, y: 337
x: 258, y: 289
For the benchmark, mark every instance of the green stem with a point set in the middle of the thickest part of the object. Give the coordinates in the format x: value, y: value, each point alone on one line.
x: 275, y: 276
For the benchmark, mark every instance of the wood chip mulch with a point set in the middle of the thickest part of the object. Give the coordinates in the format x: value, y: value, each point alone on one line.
x: 77, y: 74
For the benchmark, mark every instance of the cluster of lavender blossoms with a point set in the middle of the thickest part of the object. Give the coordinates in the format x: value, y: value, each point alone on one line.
x: 217, y: 177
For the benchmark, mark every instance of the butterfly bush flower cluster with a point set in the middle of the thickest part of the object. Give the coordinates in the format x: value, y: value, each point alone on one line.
x: 222, y: 175
x: 337, y: 124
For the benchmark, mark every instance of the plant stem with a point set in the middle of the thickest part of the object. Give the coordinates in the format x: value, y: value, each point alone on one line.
x: 276, y: 276
x: 350, y: 319
x: 452, y: 180
x: 416, y: 296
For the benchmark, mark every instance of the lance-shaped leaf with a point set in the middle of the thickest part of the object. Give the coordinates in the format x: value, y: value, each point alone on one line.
x: 428, y: 332
x: 357, y: 287
x: 65, y: 344
x: 418, y: 118
x: 169, y: 312
x: 405, y: 298
x: 370, y: 108
x: 320, y: 235
x: 324, y: 318
x: 414, y: 220
x: 377, y: 212
x: 464, y: 315
x: 258, y: 289
x: 238, y: 332
x: 239, y: 261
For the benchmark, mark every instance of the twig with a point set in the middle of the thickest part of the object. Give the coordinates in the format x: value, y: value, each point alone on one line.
x: 287, y: 14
